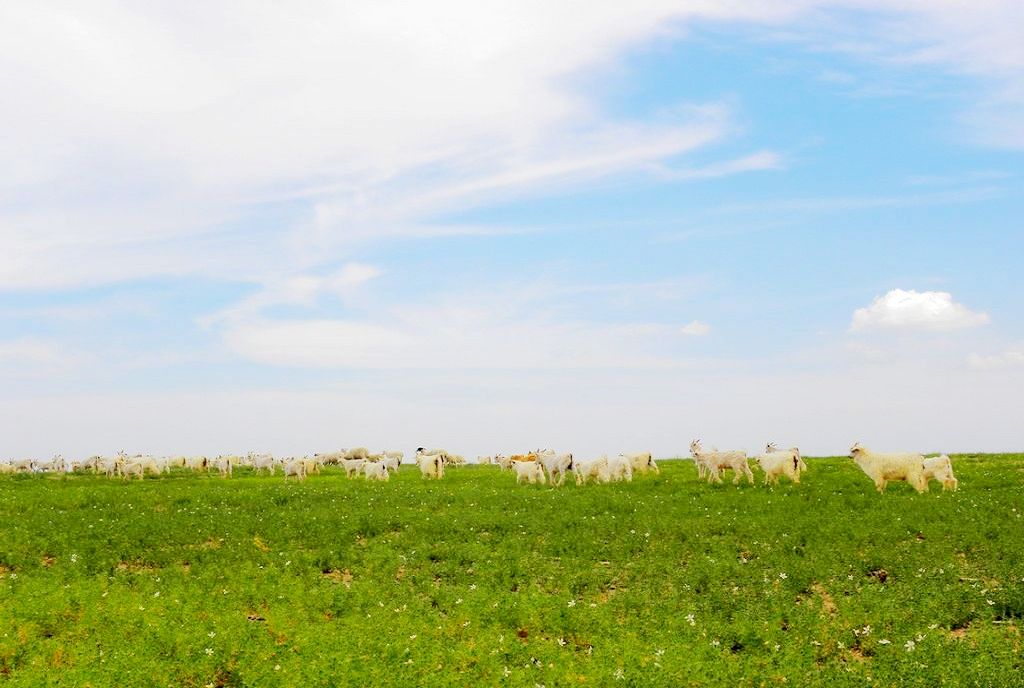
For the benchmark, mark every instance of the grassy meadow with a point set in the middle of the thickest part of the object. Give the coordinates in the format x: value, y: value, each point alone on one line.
x: 191, y: 580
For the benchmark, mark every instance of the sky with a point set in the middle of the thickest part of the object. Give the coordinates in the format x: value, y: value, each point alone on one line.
x: 496, y: 226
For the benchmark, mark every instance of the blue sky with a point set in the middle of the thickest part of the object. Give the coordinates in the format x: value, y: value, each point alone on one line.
x: 502, y: 226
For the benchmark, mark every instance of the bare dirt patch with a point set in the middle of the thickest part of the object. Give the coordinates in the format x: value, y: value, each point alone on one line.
x: 828, y: 605
x: 337, y: 576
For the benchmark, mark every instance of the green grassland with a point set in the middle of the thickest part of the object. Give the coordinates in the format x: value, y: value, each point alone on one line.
x: 191, y: 580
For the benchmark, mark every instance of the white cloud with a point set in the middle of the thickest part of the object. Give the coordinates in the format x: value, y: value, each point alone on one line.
x: 913, y: 310
x: 1007, y: 359
x: 302, y: 290
x: 695, y: 329
x: 147, y: 136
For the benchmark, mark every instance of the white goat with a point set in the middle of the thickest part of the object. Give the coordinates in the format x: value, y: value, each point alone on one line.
x: 261, y: 462
x: 595, y: 470
x: 882, y: 468
x: 391, y: 462
x: 642, y: 462
x: 353, y: 466
x: 557, y: 466
x: 940, y: 468
x: 294, y: 468
x: 619, y: 468
x: 772, y: 447
x: 431, y: 465
x: 374, y: 470
x: 224, y: 465
x: 778, y: 463
x: 712, y: 463
x: 528, y: 471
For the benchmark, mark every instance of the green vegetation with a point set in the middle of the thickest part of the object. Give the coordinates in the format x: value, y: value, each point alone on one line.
x: 190, y: 580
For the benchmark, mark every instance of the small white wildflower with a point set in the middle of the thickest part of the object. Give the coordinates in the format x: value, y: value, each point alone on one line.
x: 74, y: 558
x: 561, y: 641
x: 782, y: 575
x: 716, y: 642
x: 883, y: 641
x: 212, y: 634
x: 909, y: 645
x: 412, y: 637
x: 690, y: 619
x: 572, y: 603
x: 277, y: 667
x: 991, y: 603
x: 209, y: 650
x: 458, y: 601
x: 659, y: 652
x: 620, y: 674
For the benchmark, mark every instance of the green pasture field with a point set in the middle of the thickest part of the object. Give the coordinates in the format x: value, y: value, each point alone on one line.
x: 191, y: 580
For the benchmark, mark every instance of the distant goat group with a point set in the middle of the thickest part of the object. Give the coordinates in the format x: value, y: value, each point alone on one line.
x: 541, y: 466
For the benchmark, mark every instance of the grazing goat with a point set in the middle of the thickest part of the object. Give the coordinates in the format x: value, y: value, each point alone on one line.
x: 376, y: 471
x: 261, y: 462
x: 294, y: 468
x: 595, y: 470
x: 882, y: 468
x: 557, y: 466
x: 353, y: 466
x: 642, y: 462
x: 714, y: 462
x: 619, y: 468
x: 225, y: 465
x: 771, y: 448
x: 778, y: 463
x: 431, y: 465
x: 940, y: 468
x: 528, y: 471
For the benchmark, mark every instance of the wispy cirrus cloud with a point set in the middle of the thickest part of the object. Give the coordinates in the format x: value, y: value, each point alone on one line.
x: 145, y: 144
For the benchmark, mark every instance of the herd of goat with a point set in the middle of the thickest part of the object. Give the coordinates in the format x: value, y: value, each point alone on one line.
x: 537, y: 467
